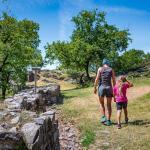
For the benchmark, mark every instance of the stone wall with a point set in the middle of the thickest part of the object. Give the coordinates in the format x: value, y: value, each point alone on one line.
x: 51, y: 95
x: 28, y: 100
x: 21, y: 125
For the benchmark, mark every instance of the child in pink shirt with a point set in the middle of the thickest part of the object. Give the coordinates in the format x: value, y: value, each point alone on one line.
x: 120, y: 98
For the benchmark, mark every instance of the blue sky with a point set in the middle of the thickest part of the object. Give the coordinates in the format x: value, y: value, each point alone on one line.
x: 54, y: 17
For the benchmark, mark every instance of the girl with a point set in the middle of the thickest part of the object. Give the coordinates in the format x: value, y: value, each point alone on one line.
x: 121, y: 99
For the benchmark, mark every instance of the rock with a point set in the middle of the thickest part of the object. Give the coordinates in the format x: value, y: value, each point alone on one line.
x: 67, y: 128
x: 48, y: 113
x: 15, y: 120
x: 39, y: 121
x: 11, y: 141
x: 106, y: 144
x: 2, y: 129
x: 30, y: 133
x: 5, y: 125
x: 13, y: 129
x: 105, y: 132
x: 70, y: 135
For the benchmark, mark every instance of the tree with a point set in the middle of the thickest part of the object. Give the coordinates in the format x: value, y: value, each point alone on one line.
x: 92, y: 40
x: 18, y: 48
x: 131, y: 60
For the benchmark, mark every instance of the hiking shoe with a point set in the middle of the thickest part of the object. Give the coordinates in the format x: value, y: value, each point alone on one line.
x: 119, y: 126
x: 103, y: 119
x: 108, y: 123
x: 126, y: 121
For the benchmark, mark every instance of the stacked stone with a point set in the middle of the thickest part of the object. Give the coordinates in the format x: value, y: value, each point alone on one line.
x: 43, y: 133
x: 25, y: 100
x: 33, y: 102
x: 22, y: 128
x: 28, y: 100
x: 40, y: 134
x: 51, y: 94
x: 10, y: 140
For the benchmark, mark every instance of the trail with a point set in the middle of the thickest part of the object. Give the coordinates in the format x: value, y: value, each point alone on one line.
x: 136, y: 92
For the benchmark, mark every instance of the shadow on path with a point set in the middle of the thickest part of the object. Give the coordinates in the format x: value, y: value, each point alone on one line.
x: 139, y: 122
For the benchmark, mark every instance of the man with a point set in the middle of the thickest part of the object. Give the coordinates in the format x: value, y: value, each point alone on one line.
x: 104, y: 79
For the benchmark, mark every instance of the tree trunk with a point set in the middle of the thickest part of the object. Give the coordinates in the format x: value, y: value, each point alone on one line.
x: 87, y: 70
x: 4, y: 81
x: 3, y: 92
x: 81, y: 79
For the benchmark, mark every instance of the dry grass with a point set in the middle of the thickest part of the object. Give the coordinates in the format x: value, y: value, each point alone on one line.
x: 41, y: 82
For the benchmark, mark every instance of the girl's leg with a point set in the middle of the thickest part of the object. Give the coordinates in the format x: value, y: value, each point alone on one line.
x: 126, y: 114
x: 119, y: 116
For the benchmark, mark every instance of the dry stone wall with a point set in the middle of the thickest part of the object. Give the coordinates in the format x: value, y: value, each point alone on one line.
x: 23, y: 127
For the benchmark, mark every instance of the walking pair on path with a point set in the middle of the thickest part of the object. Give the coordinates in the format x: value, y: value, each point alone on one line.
x: 108, y: 87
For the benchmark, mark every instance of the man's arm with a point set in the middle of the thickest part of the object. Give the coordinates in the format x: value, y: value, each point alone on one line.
x: 96, y: 80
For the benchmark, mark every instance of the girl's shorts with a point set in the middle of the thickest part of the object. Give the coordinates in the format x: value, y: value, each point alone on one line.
x: 121, y: 105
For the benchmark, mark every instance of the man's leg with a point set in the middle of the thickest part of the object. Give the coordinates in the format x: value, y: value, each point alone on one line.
x: 109, y: 109
x: 102, y: 105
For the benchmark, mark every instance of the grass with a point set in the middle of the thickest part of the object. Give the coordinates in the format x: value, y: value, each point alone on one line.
x: 141, y: 81
x: 81, y: 106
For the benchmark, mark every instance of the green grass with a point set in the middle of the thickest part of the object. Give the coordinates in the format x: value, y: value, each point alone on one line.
x: 141, y: 81
x: 77, y: 92
x: 88, y: 138
x: 82, y: 107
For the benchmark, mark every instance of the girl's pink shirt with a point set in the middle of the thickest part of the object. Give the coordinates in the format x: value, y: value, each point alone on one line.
x: 121, y: 97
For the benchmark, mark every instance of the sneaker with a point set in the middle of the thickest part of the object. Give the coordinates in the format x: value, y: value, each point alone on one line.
x: 126, y: 121
x: 108, y: 123
x: 103, y: 119
x: 119, y: 126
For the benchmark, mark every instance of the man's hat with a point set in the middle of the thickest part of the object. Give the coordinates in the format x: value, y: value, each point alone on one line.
x: 106, y: 62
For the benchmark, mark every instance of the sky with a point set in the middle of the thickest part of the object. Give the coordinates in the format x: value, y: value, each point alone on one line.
x: 54, y: 18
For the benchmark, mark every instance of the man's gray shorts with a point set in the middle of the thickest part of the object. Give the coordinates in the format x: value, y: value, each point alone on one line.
x: 105, y: 91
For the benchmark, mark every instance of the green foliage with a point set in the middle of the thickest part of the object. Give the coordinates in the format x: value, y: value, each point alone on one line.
x: 58, y: 51
x: 92, y: 40
x: 131, y: 60
x: 18, y: 48
x: 89, y: 137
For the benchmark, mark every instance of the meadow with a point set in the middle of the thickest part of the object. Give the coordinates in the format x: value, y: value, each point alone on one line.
x: 81, y: 107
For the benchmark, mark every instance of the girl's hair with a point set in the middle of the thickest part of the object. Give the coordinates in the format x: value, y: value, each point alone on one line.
x: 121, y: 80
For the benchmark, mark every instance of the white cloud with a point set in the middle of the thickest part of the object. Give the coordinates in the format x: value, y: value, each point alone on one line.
x: 64, y: 23
x: 125, y: 10
x: 68, y: 9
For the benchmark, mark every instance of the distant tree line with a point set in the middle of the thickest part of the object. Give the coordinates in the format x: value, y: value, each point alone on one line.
x: 92, y: 40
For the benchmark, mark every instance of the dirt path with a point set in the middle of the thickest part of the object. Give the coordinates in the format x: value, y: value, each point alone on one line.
x: 136, y: 92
